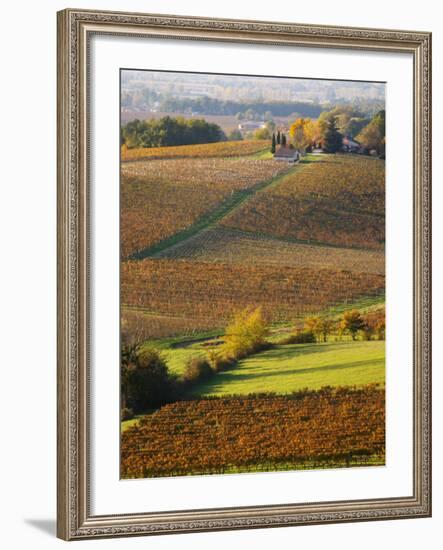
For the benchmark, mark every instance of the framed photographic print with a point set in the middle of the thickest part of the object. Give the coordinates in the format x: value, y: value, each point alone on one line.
x: 243, y: 274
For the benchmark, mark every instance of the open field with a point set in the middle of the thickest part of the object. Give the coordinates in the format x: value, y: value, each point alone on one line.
x: 327, y: 428
x: 338, y: 200
x: 220, y: 149
x: 225, y: 245
x: 160, y: 198
x: 214, y: 291
x: 288, y: 368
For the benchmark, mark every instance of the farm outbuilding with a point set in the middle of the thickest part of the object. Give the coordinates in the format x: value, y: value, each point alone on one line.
x: 287, y: 154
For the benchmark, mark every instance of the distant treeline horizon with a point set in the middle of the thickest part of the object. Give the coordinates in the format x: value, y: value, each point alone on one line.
x: 211, y: 106
x: 206, y: 105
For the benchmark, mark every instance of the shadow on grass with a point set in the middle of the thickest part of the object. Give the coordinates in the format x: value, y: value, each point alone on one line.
x: 287, y: 351
x: 238, y: 376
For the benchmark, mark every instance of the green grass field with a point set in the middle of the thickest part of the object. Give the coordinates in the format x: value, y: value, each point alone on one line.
x: 288, y: 368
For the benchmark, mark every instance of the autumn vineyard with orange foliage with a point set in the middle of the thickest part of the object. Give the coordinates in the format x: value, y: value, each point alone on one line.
x: 326, y: 428
x: 339, y: 200
x: 215, y: 290
x: 160, y: 198
x: 219, y: 234
x: 220, y: 149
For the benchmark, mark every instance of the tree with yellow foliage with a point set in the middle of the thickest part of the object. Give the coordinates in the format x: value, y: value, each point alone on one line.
x: 321, y: 327
x: 245, y: 334
x: 303, y: 133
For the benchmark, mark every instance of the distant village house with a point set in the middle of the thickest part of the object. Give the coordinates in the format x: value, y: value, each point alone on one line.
x: 249, y: 125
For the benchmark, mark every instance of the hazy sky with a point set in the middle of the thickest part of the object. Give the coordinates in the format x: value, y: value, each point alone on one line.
x: 249, y: 87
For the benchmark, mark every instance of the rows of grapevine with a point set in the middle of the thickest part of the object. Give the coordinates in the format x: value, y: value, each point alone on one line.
x: 139, y: 325
x: 215, y: 290
x: 324, y: 428
x: 203, y: 150
x: 338, y: 200
x: 222, y: 244
x: 162, y: 197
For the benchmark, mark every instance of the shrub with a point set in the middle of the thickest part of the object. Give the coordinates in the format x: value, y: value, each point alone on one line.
x: 197, y: 369
x: 147, y: 382
x: 300, y: 337
x: 219, y: 363
x: 127, y: 414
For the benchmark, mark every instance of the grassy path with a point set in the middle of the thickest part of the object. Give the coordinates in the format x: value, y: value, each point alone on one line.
x: 210, y: 220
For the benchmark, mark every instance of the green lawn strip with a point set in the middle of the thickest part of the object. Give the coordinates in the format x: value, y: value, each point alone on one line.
x: 212, y: 218
x: 183, y: 341
x: 364, y: 305
x: 288, y: 368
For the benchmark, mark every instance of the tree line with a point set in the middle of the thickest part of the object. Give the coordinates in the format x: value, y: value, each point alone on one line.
x: 212, y: 106
x: 331, y: 127
x: 168, y: 131
x: 318, y: 329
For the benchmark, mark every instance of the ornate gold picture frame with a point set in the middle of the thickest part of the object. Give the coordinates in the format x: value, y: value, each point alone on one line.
x: 75, y: 30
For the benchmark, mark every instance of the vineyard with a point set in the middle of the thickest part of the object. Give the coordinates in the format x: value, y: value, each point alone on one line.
x: 160, y: 198
x: 215, y: 290
x: 206, y: 150
x: 307, y: 429
x: 224, y: 245
x: 141, y: 324
x: 339, y: 200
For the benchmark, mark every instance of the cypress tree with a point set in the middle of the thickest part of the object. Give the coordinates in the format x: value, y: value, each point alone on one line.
x: 273, y: 144
x: 278, y: 137
x: 283, y: 140
x: 332, y: 140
